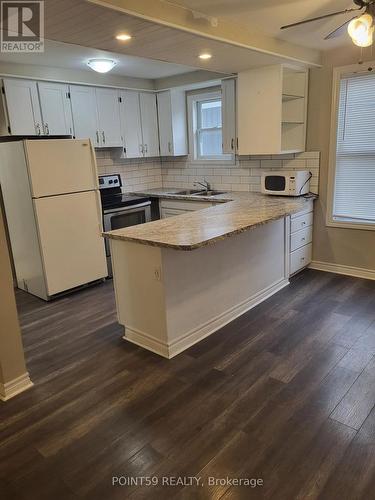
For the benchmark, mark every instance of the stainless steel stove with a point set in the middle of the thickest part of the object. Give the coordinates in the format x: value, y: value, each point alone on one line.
x: 120, y: 210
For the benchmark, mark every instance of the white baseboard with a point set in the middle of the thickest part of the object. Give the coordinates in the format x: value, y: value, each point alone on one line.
x: 202, y: 331
x: 357, y: 272
x: 14, y: 387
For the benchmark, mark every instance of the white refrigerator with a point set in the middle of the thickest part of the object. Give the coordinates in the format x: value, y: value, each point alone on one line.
x: 53, y: 211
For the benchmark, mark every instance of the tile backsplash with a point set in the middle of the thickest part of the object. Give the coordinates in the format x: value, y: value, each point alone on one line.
x: 243, y: 176
x: 136, y: 174
x: 147, y: 173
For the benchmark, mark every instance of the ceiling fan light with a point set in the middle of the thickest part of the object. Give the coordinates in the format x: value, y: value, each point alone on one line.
x: 364, y: 39
x: 359, y: 29
x: 101, y: 65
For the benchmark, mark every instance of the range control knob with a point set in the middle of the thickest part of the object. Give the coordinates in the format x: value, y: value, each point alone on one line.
x: 110, y: 181
x: 116, y: 181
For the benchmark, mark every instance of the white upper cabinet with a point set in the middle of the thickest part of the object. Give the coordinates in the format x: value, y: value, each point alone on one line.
x: 22, y: 105
x: 85, y: 118
x: 55, y: 107
x: 172, y: 123
x: 272, y: 104
x: 149, y: 121
x: 130, y: 118
x: 229, y: 129
x: 107, y: 102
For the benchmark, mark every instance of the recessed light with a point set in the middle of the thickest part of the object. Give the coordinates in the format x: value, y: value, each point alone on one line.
x: 205, y: 56
x: 123, y: 37
x: 101, y: 65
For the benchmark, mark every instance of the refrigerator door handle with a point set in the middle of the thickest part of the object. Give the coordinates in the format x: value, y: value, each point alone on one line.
x: 93, y: 167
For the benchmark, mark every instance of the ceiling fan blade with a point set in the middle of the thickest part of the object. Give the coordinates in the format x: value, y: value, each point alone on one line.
x: 340, y: 30
x: 320, y: 17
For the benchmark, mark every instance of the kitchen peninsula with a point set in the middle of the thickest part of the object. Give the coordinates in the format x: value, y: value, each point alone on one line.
x: 198, y: 271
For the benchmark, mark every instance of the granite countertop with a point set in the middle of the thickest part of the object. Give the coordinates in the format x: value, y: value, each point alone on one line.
x: 241, y: 212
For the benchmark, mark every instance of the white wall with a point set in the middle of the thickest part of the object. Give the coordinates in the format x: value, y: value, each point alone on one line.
x: 348, y: 247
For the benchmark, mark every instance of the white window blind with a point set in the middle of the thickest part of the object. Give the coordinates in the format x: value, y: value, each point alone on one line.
x: 209, y: 133
x: 354, y: 191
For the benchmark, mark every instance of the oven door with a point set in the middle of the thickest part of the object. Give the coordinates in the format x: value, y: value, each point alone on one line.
x: 118, y: 218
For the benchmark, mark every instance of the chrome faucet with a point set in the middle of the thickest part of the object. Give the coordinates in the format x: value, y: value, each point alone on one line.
x: 205, y: 184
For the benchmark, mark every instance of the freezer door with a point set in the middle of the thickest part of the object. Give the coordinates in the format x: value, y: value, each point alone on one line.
x: 60, y: 166
x: 70, y: 240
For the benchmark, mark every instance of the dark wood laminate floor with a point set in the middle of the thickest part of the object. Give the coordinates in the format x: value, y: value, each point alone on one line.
x: 285, y: 393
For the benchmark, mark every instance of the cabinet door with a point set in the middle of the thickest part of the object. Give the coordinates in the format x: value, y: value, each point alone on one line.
x: 130, y: 119
x: 229, y: 115
x: 149, y: 121
x: 55, y: 107
x: 23, y: 106
x: 165, y: 123
x: 107, y: 101
x: 85, y: 119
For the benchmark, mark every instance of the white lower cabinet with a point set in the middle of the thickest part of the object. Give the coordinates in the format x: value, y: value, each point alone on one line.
x: 301, y: 229
x: 171, y: 208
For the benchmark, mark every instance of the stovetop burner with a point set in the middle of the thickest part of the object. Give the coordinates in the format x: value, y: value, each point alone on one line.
x: 121, y: 200
x: 111, y: 195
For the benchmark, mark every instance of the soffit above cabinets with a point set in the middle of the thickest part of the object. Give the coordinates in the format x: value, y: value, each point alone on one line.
x: 69, y: 56
x: 84, y: 23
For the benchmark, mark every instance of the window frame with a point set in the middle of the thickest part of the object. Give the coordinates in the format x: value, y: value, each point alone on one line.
x: 192, y: 104
x: 338, y: 73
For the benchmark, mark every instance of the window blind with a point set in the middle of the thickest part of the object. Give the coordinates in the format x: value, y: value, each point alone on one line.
x: 354, y: 191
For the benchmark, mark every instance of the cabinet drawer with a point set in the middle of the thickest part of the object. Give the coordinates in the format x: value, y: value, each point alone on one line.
x: 300, y: 238
x: 309, y: 207
x: 300, y: 258
x: 301, y: 222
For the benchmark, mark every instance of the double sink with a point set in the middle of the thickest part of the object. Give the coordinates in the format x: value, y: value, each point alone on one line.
x: 198, y: 192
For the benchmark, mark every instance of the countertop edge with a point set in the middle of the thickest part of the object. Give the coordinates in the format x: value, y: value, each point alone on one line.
x: 195, y: 246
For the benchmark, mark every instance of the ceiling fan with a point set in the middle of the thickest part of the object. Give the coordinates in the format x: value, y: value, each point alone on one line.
x: 360, y: 27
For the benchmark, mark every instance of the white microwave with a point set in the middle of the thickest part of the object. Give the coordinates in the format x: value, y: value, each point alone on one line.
x: 286, y: 183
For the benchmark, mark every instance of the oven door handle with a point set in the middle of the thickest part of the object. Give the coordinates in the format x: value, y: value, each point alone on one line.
x: 125, y: 209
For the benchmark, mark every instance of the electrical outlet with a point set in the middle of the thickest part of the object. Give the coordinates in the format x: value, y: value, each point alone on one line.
x: 157, y: 273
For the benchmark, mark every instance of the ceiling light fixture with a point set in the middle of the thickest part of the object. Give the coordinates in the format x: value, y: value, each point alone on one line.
x: 101, y: 65
x: 205, y: 56
x: 361, y: 30
x: 123, y: 37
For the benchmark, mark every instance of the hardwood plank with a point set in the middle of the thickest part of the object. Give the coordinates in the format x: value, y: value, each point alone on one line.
x: 353, y: 477
x: 359, y: 401
x: 252, y: 400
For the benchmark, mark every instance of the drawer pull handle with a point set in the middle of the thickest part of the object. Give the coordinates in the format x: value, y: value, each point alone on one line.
x: 303, y: 239
x: 302, y: 259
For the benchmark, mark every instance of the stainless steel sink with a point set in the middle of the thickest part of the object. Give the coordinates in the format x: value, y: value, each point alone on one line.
x: 211, y: 192
x: 187, y: 191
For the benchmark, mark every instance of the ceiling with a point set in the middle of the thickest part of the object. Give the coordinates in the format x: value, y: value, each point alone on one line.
x: 266, y: 17
x: 82, y: 23
x: 64, y: 55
